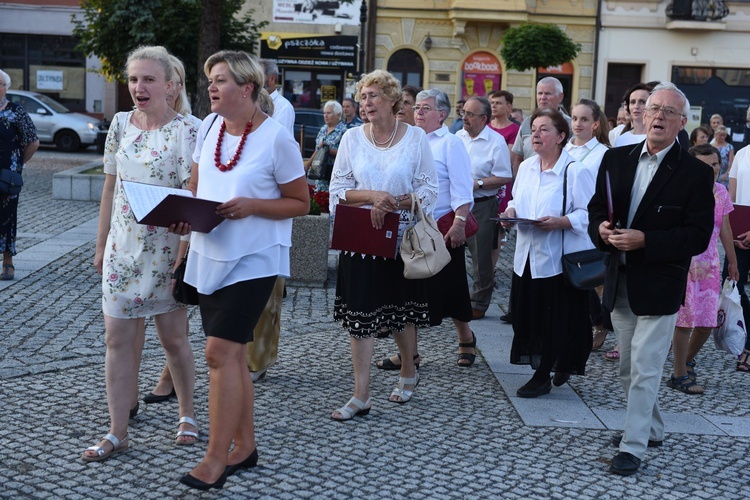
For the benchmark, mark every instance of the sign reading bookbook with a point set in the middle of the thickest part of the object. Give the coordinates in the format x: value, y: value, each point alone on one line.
x: 163, y: 206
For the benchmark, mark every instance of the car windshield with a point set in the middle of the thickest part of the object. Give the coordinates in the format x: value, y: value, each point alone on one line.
x: 56, y: 106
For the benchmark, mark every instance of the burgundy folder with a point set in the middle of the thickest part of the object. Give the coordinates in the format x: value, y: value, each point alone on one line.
x: 353, y: 232
x: 739, y: 219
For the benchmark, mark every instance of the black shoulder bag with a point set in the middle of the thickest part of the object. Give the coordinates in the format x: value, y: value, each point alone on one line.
x: 584, y: 270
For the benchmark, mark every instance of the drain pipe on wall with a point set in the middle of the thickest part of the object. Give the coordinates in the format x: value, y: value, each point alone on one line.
x: 596, y: 48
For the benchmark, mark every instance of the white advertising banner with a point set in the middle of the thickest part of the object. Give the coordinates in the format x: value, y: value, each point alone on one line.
x: 49, y: 80
x: 317, y: 11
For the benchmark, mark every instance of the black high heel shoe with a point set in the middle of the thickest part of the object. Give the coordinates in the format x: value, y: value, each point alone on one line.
x: 134, y: 410
x: 250, y: 461
x: 465, y: 356
x: 197, y: 484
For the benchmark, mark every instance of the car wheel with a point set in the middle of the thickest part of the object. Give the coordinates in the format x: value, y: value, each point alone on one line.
x: 67, y: 140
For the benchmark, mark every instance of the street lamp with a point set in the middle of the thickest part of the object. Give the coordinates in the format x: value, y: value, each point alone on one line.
x: 362, y: 22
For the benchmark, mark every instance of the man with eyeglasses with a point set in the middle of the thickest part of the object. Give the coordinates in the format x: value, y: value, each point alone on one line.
x: 652, y: 212
x: 490, y: 168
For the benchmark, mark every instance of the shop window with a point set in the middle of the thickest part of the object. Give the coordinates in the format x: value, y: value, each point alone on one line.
x: 481, y: 75
x: 407, y: 66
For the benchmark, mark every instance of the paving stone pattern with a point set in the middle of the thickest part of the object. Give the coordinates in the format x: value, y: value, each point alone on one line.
x: 460, y: 436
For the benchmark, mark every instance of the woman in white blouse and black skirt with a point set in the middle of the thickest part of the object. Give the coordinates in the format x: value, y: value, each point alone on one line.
x: 380, y: 166
x: 551, y: 325
x: 253, y: 166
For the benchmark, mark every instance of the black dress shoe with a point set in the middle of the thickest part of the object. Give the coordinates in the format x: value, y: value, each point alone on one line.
x: 134, y: 410
x: 506, y: 318
x: 625, y: 464
x: 560, y: 378
x: 250, y: 461
x: 155, y: 398
x: 652, y: 443
x: 534, y: 389
x: 197, y: 484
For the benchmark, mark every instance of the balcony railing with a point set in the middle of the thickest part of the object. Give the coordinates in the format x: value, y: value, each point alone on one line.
x: 697, y: 10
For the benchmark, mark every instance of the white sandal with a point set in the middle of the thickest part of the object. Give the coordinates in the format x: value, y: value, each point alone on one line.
x: 190, y: 421
x: 117, y: 447
x: 402, y: 393
x: 347, y: 412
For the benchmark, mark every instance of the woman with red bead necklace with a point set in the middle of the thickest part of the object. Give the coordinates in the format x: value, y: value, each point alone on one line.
x: 253, y: 166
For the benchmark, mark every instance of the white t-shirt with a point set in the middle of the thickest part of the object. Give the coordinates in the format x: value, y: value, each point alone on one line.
x: 590, y: 153
x: 741, y: 172
x: 629, y: 138
x: 255, y: 246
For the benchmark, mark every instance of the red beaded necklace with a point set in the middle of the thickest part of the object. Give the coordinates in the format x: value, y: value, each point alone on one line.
x: 233, y: 161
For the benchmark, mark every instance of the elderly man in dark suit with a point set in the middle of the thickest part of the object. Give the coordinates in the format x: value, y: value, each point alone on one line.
x: 661, y: 214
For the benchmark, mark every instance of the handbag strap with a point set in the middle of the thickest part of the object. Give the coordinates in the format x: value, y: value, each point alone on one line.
x: 565, y: 200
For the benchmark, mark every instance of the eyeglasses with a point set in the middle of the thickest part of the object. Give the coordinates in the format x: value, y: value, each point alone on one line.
x: 470, y: 115
x: 421, y: 107
x: 370, y: 96
x: 669, y: 113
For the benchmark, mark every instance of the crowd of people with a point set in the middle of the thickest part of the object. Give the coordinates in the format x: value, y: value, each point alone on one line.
x: 650, y: 198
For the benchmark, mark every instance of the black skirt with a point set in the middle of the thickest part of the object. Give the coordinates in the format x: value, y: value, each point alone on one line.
x: 231, y: 313
x: 448, y: 291
x: 550, y: 320
x: 373, y: 297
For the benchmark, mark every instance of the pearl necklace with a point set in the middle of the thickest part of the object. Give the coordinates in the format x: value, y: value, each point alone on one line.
x: 389, y: 141
x: 233, y: 161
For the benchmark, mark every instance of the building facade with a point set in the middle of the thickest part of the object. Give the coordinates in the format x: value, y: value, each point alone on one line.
x: 37, y: 50
x: 678, y: 41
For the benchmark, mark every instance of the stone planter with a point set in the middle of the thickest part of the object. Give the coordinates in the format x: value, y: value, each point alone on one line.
x: 309, y: 253
x: 70, y: 184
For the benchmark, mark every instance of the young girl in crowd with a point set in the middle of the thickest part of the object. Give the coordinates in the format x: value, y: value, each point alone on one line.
x: 589, y: 142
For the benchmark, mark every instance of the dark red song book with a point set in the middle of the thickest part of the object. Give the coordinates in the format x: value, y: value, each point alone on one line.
x: 353, y: 232
x: 163, y: 206
x: 739, y: 219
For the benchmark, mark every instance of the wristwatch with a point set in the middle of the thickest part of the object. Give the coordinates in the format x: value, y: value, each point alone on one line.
x: 461, y: 217
x: 480, y: 183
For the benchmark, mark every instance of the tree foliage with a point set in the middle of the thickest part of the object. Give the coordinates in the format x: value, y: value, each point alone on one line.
x: 110, y: 29
x: 530, y: 46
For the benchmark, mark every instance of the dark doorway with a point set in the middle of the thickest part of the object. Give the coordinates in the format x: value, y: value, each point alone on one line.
x: 620, y: 77
x: 407, y: 66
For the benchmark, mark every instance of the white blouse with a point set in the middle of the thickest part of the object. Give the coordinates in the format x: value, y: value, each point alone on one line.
x: 453, y: 168
x: 255, y: 246
x: 539, y: 194
x: 590, y: 153
x: 407, y: 167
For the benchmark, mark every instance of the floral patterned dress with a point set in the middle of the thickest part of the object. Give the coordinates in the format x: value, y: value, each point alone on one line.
x: 138, y: 259
x: 724, y: 169
x: 704, y: 278
x: 16, y: 132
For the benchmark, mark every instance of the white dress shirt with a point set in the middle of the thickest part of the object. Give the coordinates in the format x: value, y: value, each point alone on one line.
x: 489, y: 156
x: 283, y: 111
x: 453, y: 166
x: 539, y: 194
x: 741, y: 172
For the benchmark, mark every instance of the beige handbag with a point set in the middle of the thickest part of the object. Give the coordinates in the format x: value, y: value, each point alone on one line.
x: 422, y: 247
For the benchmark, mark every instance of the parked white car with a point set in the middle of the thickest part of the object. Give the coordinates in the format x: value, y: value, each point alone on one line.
x: 56, y: 124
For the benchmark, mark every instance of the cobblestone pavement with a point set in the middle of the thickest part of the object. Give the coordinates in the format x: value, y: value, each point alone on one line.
x: 460, y: 436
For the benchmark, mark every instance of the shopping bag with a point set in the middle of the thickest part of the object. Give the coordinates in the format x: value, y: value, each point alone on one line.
x: 730, y: 333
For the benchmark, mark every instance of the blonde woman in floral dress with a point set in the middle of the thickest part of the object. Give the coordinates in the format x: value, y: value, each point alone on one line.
x: 152, y: 144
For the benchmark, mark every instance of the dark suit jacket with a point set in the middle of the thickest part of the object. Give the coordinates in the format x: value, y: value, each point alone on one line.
x: 677, y: 216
